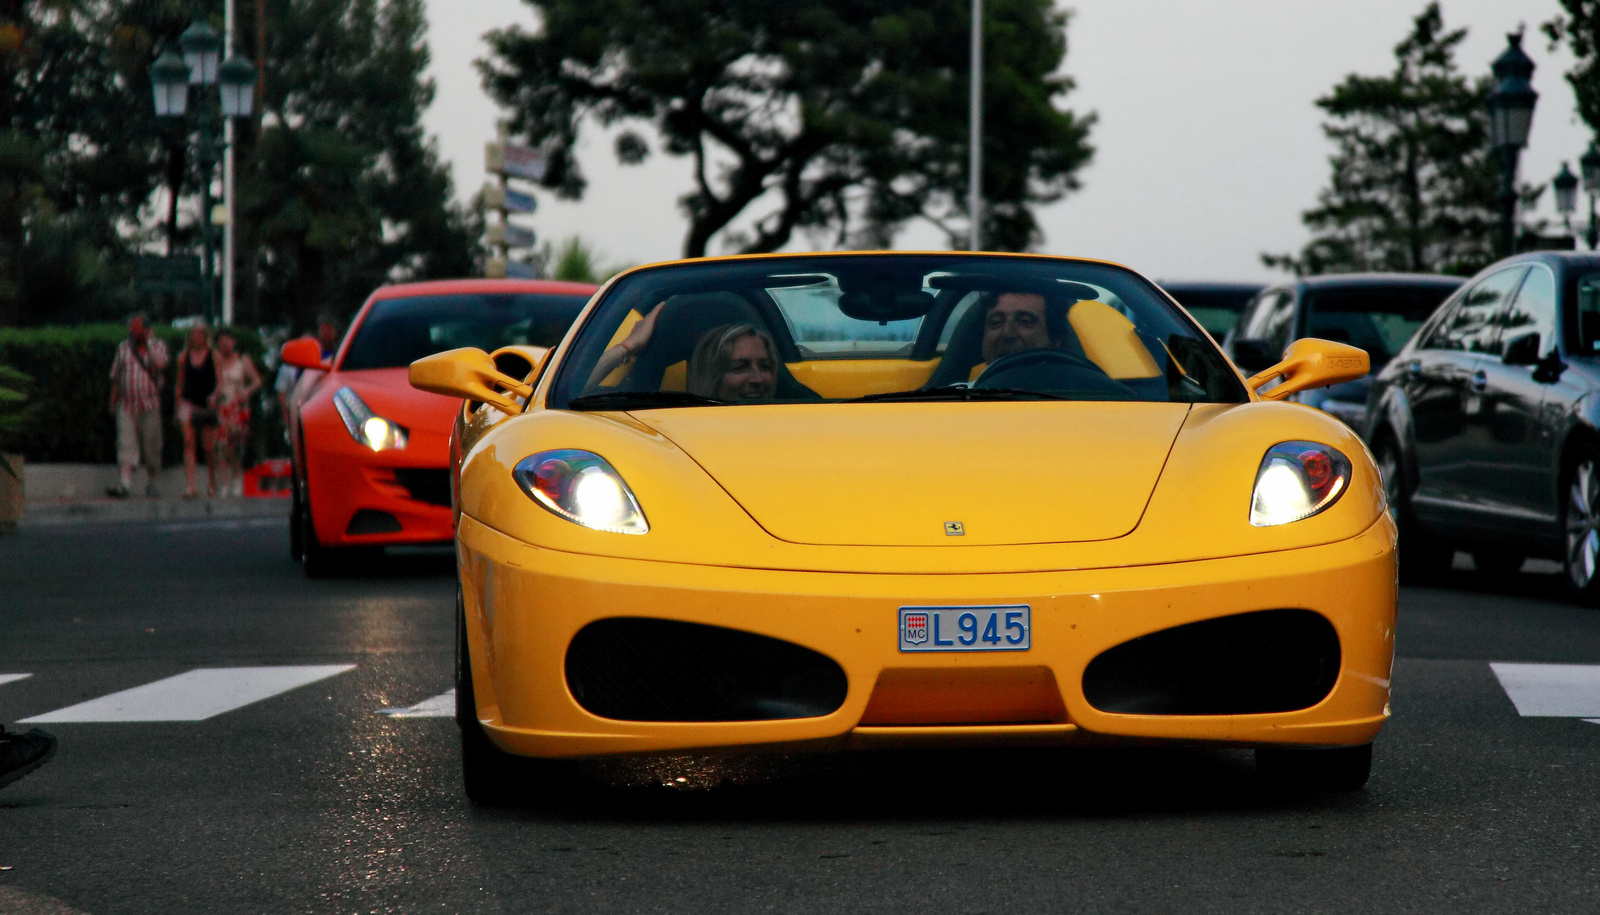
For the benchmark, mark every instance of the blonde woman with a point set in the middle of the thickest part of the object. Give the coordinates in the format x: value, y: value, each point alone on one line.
x: 237, y: 381
x: 197, y: 381
x: 734, y: 362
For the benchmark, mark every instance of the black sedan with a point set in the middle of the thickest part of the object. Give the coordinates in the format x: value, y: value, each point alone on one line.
x: 1487, y: 424
x: 1375, y: 311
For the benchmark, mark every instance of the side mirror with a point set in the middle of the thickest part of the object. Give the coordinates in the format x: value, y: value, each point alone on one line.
x: 1522, y: 350
x: 304, y: 353
x: 1312, y: 363
x: 1253, y: 354
x: 519, y: 361
x: 470, y: 374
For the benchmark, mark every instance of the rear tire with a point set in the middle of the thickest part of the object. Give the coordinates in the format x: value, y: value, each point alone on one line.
x: 1315, y: 770
x: 1423, y: 558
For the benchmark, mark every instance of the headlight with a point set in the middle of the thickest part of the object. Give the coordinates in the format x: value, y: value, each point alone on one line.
x: 1297, y: 480
x: 365, y: 426
x: 581, y: 487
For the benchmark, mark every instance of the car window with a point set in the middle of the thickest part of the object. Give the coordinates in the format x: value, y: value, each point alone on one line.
x: 1473, y: 325
x: 1272, y: 320
x: 397, y: 332
x: 1587, y: 328
x: 1377, y: 318
x: 1533, y: 311
x: 835, y: 328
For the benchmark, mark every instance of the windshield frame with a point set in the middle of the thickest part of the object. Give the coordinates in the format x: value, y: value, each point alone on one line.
x: 563, y: 384
x: 575, y: 301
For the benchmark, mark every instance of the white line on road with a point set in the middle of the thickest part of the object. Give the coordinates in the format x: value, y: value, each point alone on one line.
x: 440, y: 706
x: 12, y: 678
x: 193, y: 696
x: 1552, y: 690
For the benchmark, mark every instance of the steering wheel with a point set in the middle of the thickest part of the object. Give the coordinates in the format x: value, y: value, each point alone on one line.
x: 1049, y: 370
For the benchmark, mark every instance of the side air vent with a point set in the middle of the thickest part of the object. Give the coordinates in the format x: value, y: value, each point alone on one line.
x: 634, y: 669
x: 1250, y: 663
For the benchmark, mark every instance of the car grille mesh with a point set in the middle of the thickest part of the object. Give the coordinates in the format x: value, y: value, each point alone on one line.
x: 634, y: 669
x: 425, y: 484
x: 1249, y: 663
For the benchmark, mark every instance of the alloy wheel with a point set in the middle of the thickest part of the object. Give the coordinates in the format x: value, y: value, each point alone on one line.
x: 1583, y: 538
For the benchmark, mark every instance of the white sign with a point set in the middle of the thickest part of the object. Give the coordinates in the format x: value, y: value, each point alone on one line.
x: 514, y: 160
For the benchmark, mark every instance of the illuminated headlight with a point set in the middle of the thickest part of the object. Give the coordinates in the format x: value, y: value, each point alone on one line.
x: 365, y: 426
x: 1297, y: 480
x: 581, y: 487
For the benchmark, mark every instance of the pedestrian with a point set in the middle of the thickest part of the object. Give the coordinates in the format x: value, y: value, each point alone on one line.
x: 23, y: 753
x: 237, y: 381
x: 288, y: 375
x: 136, y: 403
x: 197, y: 419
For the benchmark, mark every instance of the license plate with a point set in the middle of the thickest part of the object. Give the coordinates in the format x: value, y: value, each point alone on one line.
x: 1006, y: 627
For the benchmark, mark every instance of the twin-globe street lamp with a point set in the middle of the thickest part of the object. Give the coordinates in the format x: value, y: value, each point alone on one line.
x: 170, y: 79
x: 1510, y: 118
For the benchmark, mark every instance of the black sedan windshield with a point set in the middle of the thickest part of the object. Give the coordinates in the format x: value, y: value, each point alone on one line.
x: 398, y: 332
x: 913, y: 328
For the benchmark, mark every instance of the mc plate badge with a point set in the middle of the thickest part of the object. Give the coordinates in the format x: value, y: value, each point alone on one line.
x: 990, y: 627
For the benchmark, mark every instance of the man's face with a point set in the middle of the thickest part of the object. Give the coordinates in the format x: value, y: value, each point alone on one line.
x: 327, y: 337
x: 137, y: 331
x: 1015, y: 324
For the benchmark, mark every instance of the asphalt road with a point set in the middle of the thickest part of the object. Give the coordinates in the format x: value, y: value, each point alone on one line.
x: 311, y: 800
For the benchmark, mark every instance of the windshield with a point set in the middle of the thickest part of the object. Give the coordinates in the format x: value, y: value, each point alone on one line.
x: 398, y: 332
x: 1377, y: 319
x: 831, y: 328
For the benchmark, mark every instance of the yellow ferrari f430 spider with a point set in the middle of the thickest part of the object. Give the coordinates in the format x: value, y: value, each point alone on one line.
x: 845, y: 501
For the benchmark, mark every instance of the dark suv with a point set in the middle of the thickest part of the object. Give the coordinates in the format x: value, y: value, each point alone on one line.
x: 1485, y: 424
x: 1215, y: 305
x: 1376, y: 311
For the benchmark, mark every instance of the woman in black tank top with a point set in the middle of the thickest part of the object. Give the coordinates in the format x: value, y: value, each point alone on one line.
x: 197, y: 382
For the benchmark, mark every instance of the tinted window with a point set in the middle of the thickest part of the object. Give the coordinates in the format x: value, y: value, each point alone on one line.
x: 1473, y: 324
x: 1377, y: 319
x: 1588, y: 328
x: 1533, y: 311
x: 398, y: 332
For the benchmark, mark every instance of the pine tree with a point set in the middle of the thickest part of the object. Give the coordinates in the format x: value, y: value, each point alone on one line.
x: 1413, y: 184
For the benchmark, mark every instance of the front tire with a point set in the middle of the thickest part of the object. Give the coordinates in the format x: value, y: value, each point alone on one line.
x: 316, y: 560
x: 492, y: 777
x: 297, y: 541
x: 1580, y: 522
x: 1423, y: 558
x: 1315, y: 770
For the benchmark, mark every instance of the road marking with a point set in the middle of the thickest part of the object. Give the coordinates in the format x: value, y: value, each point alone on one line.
x: 1552, y: 690
x: 12, y: 678
x: 193, y: 696
x: 440, y: 706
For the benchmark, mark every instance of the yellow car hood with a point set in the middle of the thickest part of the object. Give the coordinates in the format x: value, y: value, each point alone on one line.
x: 899, y: 474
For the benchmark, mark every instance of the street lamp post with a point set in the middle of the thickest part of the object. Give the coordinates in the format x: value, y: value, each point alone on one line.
x: 170, y: 79
x: 1589, y: 167
x: 1566, y: 188
x: 975, y: 132
x: 1510, y: 118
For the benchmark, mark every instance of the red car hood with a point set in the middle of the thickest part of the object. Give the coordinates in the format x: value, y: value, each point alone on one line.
x: 388, y: 393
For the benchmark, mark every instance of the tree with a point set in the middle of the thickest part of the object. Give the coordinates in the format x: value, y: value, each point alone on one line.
x: 849, y: 117
x: 1414, y: 184
x: 345, y: 190
x: 1580, y: 29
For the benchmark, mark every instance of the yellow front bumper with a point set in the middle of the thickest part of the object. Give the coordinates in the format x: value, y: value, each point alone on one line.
x: 524, y: 605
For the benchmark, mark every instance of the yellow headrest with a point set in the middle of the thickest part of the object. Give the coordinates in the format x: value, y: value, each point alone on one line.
x: 1111, y: 341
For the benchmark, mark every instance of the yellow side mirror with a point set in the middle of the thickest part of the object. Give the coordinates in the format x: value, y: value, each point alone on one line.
x: 1312, y: 363
x: 468, y: 373
x: 519, y: 360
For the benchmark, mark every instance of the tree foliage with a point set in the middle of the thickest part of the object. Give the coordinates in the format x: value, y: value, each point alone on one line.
x: 1413, y: 183
x: 847, y: 118
x: 339, y: 188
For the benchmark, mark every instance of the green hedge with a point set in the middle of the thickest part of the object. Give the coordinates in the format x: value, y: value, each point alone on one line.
x: 67, y: 418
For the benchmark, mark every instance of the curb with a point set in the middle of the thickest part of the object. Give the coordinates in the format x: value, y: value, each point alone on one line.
x: 43, y: 512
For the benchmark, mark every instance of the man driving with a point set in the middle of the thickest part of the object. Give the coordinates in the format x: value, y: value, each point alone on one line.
x: 1017, y: 322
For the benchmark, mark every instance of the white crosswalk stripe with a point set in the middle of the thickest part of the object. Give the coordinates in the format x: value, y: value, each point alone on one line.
x: 1552, y: 690
x: 440, y: 706
x: 192, y: 696
x: 12, y: 678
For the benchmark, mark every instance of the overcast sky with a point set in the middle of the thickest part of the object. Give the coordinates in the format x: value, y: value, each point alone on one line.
x: 1207, y: 149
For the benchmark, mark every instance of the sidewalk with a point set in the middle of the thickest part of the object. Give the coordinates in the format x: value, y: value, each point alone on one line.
x: 76, y: 493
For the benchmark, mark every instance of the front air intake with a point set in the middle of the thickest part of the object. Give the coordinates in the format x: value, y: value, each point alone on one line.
x: 1247, y: 664
x: 634, y: 669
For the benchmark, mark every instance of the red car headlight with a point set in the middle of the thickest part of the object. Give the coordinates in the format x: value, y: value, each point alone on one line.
x: 1297, y: 480
x: 582, y: 488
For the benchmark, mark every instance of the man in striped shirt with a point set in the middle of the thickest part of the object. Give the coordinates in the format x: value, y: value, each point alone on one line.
x: 136, y: 403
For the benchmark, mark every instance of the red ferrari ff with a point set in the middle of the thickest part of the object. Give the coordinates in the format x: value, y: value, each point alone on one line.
x: 372, y: 453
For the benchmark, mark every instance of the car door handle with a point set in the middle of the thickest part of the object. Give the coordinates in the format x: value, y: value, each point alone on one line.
x: 1480, y: 380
